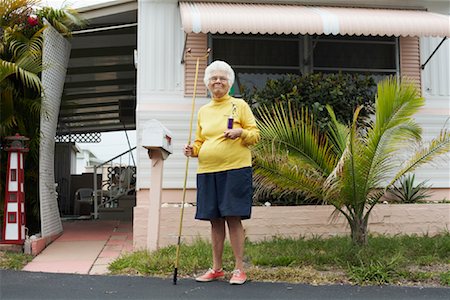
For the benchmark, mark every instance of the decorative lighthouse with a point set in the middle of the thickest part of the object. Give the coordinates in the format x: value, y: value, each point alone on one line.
x: 14, y: 213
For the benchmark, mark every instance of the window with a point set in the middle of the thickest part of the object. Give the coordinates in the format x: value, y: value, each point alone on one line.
x: 12, y: 217
x: 368, y: 55
x: 12, y: 197
x: 13, y: 175
x: 257, y: 58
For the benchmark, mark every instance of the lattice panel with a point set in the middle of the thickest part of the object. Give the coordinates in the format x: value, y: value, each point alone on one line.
x: 90, y: 137
x: 55, y: 58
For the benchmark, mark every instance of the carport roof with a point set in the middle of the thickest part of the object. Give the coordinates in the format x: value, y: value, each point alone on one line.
x: 100, y: 87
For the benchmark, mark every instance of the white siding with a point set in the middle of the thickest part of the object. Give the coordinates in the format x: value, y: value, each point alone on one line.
x: 437, y: 173
x: 178, y: 123
x: 436, y: 90
x: 160, y: 47
x: 55, y: 58
x: 436, y: 75
x: 160, y: 89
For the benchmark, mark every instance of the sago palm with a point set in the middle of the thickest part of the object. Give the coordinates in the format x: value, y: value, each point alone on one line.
x: 351, y: 166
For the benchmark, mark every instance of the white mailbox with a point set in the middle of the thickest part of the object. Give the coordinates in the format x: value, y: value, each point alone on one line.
x: 157, y: 137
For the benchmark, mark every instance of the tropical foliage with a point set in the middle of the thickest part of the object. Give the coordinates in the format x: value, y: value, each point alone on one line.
x: 21, y: 43
x: 350, y: 166
x: 343, y: 91
x: 405, y: 191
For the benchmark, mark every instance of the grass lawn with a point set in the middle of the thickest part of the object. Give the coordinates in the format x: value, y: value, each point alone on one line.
x: 402, y: 260
x: 13, y: 260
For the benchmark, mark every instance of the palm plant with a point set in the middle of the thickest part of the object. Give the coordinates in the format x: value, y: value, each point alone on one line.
x: 21, y: 58
x: 21, y: 43
x: 351, y: 166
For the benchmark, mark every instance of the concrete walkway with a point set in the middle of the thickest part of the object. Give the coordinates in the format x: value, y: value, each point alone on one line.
x: 85, y: 247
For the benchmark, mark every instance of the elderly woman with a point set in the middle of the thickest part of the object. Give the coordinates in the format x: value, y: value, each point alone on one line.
x: 226, y: 128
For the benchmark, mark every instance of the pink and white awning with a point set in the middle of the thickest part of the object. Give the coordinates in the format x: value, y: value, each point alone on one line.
x: 208, y: 17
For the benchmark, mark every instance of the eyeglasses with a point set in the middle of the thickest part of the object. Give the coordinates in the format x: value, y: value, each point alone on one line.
x: 221, y: 79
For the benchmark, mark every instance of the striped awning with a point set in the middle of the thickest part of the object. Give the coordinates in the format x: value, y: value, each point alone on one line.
x: 208, y: 17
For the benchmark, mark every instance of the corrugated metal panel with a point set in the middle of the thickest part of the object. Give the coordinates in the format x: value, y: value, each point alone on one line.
x: 436, y: 173
x: 178, y: 123
x: 436, y: 75
x: 410, y: 59
x: 55, y: 56
x: 296, y: 19
x: 436, y: 90
x: 100, y: 89
x: 198, y: 44
x: 160, y: 47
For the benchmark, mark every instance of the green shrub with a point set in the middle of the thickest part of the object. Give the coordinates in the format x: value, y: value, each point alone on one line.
x: 344, y: 92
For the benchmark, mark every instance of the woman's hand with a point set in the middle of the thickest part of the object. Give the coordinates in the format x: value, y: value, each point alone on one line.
x: 232, y: 133
x: 188, y: 150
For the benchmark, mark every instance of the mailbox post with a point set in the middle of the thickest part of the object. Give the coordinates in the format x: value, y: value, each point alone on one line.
x: 157, y: 139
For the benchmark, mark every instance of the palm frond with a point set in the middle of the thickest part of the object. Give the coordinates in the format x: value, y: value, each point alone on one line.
x: 296, y: 133
x: 381, y: 153
x: 337, y: 133
x: 20, y: 45
x: 281, y: 173
x: 425, y: 154
x: 394, y: 127
x: 7, y: 100
x: 271, y: 178
x: 343, y: 185
x: 63, y: 19
x: 29, y: 78
x: 395, y: 103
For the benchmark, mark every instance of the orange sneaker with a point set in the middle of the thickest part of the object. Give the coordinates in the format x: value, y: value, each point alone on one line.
x: 238, y: 277
x: 211, y: 275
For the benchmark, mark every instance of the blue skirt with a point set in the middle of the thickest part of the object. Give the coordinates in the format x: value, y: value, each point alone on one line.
x: 224, y: 194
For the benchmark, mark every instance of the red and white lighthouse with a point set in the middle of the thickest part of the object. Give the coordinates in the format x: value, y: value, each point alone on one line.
x: 14, y: 213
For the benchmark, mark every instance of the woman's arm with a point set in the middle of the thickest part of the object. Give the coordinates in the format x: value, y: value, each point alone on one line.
x: 250, y: 132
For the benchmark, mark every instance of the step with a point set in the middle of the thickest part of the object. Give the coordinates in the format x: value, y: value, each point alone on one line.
x: 127, y: 201
x: 115, y: 213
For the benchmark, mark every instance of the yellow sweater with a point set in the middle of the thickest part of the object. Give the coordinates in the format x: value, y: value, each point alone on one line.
x: 215, y: 152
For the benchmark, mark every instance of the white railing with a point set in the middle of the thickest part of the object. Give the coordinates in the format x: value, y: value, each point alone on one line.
x: 120, y: 180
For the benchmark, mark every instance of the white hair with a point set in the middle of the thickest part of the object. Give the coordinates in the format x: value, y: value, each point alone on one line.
x: 219, y: 65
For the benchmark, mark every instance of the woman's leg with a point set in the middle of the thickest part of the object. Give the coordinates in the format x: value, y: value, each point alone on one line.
x: 217, y: 239
x: 237, y: 239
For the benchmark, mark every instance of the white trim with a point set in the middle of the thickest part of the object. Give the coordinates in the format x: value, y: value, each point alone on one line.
x: 330, y: 21
x: 196, y: 18
x: 105, y: 28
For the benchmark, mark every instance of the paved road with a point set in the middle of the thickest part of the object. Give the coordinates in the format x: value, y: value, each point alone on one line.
x: 31, y: 285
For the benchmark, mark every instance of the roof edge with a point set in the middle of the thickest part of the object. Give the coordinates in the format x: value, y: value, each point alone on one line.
x: 107, y: 8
